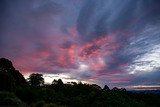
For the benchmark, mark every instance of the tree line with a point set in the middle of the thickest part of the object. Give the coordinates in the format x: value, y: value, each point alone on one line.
x: 16, y: 91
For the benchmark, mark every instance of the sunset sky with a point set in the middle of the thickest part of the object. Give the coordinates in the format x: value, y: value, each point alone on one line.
x: 113, y: 42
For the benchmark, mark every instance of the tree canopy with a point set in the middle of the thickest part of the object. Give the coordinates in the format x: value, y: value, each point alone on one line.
x: 36, y: 79
x: 9, y: 76
x: 59, y: 94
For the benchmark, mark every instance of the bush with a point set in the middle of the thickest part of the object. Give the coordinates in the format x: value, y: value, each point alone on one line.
x: 9, y: 99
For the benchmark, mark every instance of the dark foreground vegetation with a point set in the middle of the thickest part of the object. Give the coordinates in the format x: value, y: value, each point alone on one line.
x: 15, y: 91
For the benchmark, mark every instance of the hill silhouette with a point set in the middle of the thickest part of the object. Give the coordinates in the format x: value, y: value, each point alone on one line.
x: 15, y: 91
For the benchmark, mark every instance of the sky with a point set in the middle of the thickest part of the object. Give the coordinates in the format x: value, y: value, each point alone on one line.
x: 113, y: 42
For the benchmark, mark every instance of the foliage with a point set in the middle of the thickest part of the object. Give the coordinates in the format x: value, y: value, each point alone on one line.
x: 9, y: 99
x: 7, y: 82
x: 106, y: 88
x: 59, y: 94
x: 36, y: 79
x: 9, y: 77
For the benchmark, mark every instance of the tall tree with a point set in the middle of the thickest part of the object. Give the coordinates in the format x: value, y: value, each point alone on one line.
x: 36, y: 79
x: 106, y: 88
x: 9, y: 76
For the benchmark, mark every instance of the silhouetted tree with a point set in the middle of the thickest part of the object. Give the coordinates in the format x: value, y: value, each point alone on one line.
x: 36, y: 79
x: 6, y: 65
x: 10, y: 76
x: 58, y: 94
x: 123, y: 89
x: 7, y: 82
x: 96, y: 86
x: 19, y: 79
x: 106, y: 88
x: 58, y: 82
x: 54, y: 81
x: 115, y: 89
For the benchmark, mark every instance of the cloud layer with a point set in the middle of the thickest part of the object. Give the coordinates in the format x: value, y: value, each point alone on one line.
x: 106, y: 42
